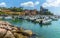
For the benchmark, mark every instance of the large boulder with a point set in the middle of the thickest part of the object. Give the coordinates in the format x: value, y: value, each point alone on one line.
x: 9, y: 35
x: 17, y: 30
x: 2, y: 32
x: 20, y: 30
x: 19, y: 35
x: 28, y: 32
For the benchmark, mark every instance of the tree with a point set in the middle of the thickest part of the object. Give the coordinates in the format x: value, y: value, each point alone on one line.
x: 15, y: 9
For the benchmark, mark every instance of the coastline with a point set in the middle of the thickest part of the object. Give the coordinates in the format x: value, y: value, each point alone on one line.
x: 9, y: 31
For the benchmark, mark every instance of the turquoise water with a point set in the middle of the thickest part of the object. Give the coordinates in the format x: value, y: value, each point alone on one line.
x: 44, y: 31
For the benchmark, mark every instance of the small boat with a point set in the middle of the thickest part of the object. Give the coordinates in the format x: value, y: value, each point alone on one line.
x: 38, y: 20
x: 32, y: 18
x: 20, y: 18
x: 46, y: 21
x: 54, y: 18
x: 26, y: 17
x: 8, y: 17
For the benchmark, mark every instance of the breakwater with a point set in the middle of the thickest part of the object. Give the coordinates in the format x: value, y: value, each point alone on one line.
x: 7, y: 30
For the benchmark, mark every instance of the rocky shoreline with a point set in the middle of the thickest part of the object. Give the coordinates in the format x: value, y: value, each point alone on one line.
x: 7, y: 30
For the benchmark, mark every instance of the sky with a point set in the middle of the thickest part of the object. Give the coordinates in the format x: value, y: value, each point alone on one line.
x: 52, y: 5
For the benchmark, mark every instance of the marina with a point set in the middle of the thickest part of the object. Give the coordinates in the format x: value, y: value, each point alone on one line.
x: 29, y: 18
x: 43, y: 31
x: 41, y: 19
x: 37, y: 24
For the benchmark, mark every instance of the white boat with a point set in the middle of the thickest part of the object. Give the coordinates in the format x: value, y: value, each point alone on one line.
x: 26, y: 17
x: 46, y: 21
x: 32, y: 18
x: 38, y: 20
x: 8, y: 17
x: 54, y: 18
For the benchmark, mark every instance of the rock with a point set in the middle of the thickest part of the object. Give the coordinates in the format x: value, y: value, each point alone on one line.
x: 19, y: 35
x: 28, y: 32
x: 17, y: 30
x: 14, y: 29
x: 5, y: 23
x: 9, y: 35
x: 2, y: 32
x: 21, y: 29
x: 8, y: 28
x: 8, y: 31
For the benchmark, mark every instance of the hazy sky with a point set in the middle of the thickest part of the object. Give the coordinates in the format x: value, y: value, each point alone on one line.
x: 52, y: 5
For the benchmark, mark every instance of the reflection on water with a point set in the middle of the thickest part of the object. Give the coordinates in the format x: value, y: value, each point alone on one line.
x: 41, y: 25
x: 43, y: 31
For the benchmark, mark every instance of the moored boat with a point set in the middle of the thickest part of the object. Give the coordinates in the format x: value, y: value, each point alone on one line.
x: 54, y: 18
x: 46, y: 21
x: 8, y: 17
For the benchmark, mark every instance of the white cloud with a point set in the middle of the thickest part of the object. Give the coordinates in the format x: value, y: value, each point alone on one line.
x: 51, y: 3
x: 29, y: 4
x: 3, y: 4
x: 37, y: 2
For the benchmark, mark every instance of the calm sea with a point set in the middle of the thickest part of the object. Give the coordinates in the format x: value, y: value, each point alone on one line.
x: 43, y: 31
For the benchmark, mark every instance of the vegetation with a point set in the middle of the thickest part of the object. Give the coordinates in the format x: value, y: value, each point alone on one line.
x: 43, y: 11
x: 1, y: 13
x: 15, y: 9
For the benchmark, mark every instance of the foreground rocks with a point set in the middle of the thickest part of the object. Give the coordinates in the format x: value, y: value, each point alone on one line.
x: 28, y: 32
x: 9, y: 35
x: 9, y: 31
x: 2, y: 32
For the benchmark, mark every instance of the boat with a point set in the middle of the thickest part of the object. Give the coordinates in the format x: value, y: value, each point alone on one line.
x: 54, y: 18
x: 32, y: 18
x: 46, y: 21
x: 38, y: 20
x: 8, y: 17
x: 26, y: 17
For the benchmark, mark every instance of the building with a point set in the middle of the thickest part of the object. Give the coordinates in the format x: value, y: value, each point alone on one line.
x: 30, y: 12
x: 33, y: 12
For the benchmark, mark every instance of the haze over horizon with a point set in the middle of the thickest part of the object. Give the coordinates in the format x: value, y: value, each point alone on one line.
x: 52, y: 5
